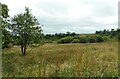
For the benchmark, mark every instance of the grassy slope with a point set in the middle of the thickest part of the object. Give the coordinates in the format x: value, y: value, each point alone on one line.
x: 98, y: 59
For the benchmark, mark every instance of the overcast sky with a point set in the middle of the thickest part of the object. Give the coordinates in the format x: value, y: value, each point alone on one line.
x: 80, y: 16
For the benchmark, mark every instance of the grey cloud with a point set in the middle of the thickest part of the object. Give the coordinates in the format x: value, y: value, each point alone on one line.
x: 53, y: 14
x: 52, y: 7
x: 101, y: 9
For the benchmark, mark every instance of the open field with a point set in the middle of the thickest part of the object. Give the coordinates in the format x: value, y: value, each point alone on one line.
x: 98, y: 59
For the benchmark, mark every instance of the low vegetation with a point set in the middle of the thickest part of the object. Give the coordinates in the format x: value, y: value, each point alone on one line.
x: 82, y: 39
x: 64, y: 60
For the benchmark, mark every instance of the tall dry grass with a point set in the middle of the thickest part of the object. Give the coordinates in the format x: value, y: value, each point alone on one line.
x: 64, y: 60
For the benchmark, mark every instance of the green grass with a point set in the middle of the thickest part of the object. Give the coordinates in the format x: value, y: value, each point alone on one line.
x: 64, y: 60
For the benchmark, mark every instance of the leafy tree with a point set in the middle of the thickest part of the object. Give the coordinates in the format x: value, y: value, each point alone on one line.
x: 27, y: 27
x: 113, y: 33
x: 15, y: 40
x: 5, y: 23
x: 98, y: 32
x: 68, y: 33
x: 4, y: 11
x: 61, y: 35
x: 73, y: 34
x: 48, y: 36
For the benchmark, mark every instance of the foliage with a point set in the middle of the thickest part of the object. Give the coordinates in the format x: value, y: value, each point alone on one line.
x: 65, y: 40
x: 57, y: 36
x: 15, y: 40
x: 6, y: 38
x: 10, y: 45
x: 91, y: 39
x: 4, y: 11
x: 76, y: 41
x: 83, y: 39
x: 99, y: 38
x: 48, y: 41
x: 106, y: 38
x: 77, y: 37
x: 26, y: 26
x: 112, y: 33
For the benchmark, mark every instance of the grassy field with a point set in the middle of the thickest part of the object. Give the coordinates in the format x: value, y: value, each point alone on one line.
x: 64, y: 60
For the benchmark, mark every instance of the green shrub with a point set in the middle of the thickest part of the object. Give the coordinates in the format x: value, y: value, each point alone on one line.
x: 10, y: 45
x: 6, y: 45
x: 83, y: 39
x: 77, y: 37
x: 105, y: 38
x: 65, y: 40
x: 99, y: 38
x: 34, y: 45
x: 48, y: 41
x: 91, y: 39
x: 76, y: 41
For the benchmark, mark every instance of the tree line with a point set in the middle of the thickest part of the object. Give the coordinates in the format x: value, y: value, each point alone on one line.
x: 110, y: 33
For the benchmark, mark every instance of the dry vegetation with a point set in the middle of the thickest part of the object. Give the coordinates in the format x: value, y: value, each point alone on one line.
x: 95, y: 60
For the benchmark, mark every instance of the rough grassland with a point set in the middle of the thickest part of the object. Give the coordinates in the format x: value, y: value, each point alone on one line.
x: 98, y: 59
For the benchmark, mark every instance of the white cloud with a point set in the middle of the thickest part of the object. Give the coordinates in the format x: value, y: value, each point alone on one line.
x: 106, y: 20
x: 69, y: 15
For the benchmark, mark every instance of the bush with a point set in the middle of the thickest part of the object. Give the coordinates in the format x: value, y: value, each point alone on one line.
x: 105, y: 38
x: 48, y: 41
x: 34, y: 45
x: 77, y: 37
x: 91, y: 39
x: 99, y: 38
x: 65, y: 40
x: 83, y: 39
x: 6, y: 45
x: 76, y: 41
x: 10, y: 45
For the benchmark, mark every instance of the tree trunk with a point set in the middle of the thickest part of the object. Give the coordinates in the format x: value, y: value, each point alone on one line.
x: 23, y: 47
x: 24, y: 43
x: 24, y: 50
